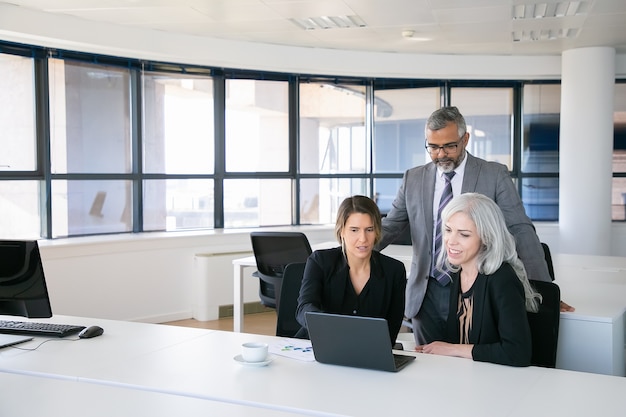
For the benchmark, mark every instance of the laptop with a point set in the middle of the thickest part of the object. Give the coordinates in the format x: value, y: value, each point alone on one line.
x: 360, y: 342
x: 7, y: 340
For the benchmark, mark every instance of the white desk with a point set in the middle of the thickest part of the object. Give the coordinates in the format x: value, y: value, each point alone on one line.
x: 591, y: 339
x: 29, y: 396
x: 204, y: 368
x: 201, y: 367
x: 60, y: 357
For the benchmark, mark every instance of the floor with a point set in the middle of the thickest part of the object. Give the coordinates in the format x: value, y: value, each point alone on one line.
x: 257, y: 323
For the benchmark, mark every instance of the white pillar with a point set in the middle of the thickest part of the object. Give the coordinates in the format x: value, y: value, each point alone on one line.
x: 205, y: 305
x: 586, y: 150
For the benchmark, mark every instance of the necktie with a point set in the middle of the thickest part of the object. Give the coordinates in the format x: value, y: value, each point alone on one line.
x: 442, y: 276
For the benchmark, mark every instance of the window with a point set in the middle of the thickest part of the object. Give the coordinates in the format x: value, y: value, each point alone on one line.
x: 540, y: 150
x: 619, y: 154
x: 90, y: 118
x: 257, y: 141
x: 488, y: 115
x: 85, y: 207
x: 320, y: 197
x: 17, y: 114
x: 333, y: 140
x: 178, y: 124
x: 178, y: 140
x: 257, y: 126
x: 332, y: 129
x: 131, y: 146
x: 400, y: 116
x: 19, y: 191
x: 399, y: 121
x: 178, y: 204
x: 257, y: 202
x: 90, y: 133
x: 19, y: 209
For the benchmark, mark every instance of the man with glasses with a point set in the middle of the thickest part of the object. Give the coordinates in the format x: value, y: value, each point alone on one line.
x: 423, y: 191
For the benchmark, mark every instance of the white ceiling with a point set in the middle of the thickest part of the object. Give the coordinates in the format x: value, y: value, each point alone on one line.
x: 438, y: 26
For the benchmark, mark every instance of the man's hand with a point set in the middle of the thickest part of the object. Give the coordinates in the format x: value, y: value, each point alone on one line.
x: 566, y: 307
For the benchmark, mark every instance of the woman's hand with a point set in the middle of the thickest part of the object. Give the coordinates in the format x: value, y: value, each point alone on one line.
x: 446, y: 349
x: 566, y: 307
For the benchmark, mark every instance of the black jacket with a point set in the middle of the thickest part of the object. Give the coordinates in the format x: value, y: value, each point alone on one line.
x: 500, y: 331
x: 326, y: 276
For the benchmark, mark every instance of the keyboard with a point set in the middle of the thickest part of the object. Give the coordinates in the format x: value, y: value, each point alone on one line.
x: 38, y: 329
x: 402, y: 360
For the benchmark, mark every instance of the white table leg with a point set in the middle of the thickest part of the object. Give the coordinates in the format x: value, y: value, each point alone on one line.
x: 238, y: 298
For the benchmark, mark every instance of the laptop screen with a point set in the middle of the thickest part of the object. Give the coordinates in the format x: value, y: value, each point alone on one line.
x: 361, y: 342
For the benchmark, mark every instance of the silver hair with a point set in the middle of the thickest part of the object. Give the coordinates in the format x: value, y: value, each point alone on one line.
x: 497, y: 243
x: 440, y: 118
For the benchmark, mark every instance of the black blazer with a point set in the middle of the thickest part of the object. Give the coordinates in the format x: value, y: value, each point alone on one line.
x: 326, y: 276
x: 500, y: 331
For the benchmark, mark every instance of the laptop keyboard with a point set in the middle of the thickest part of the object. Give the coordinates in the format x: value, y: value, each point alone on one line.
x: 401, y: 360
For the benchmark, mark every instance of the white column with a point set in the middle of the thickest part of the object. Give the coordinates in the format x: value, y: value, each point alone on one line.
x: 205, y: 305
x: 586, y: 149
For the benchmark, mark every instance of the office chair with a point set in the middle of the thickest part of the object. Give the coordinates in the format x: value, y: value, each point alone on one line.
x: 273, y: 251
x: 548, y: 256
x: 286, y: 324
x: 544, y: 324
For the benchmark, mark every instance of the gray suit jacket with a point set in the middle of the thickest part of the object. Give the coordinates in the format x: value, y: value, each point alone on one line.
x: 413, y: 207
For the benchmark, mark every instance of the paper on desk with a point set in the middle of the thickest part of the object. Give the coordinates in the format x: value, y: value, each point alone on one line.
x: 299, y: 349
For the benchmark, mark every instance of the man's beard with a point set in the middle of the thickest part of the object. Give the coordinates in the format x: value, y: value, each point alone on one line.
x: 447, y: 164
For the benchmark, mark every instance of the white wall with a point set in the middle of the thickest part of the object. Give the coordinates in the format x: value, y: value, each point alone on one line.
x: 149, y: 277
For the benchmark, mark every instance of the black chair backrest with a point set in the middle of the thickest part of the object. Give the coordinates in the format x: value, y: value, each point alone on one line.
x: 544, y: 325
x: 286, y: 324
x: 548, y: 256
x: 274, y: 250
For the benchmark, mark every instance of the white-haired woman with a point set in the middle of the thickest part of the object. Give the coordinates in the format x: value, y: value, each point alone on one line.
x: 490, y: 292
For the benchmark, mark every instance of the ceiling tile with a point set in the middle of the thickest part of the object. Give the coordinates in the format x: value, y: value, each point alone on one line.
x: 454, y: 26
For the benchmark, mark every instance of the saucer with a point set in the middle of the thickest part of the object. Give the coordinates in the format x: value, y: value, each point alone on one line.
x: 266, y: 362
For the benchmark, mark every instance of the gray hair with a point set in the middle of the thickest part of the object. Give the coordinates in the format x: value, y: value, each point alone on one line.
x: 442, y: 117
x: 497, y: 243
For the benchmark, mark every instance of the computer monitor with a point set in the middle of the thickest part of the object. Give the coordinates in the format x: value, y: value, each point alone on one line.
x: 23, y: 290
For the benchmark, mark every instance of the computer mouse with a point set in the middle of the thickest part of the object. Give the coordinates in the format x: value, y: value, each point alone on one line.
x: 91, y: 331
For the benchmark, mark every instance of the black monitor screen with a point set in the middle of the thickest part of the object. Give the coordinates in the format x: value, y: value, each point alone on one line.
x: 23, y: 289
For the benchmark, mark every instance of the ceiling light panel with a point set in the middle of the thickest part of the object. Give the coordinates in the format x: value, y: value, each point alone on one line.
x: 329, y: 22
x: 540, y: 10
x: 549, y: 9
x: 534, y: 35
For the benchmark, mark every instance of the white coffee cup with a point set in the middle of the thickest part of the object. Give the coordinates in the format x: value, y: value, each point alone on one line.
x: 254, y: 351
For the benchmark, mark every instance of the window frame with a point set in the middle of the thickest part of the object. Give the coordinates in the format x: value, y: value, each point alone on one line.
x: 136, y: 176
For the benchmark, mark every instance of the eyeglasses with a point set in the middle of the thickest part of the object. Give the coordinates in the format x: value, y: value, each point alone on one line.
x: 447, y: 148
